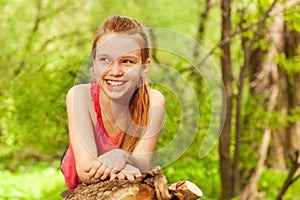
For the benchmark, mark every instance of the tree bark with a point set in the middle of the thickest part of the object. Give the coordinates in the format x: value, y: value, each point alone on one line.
x: 250, y: 191
x: 292, y: 50
x: 275, y: 33
x: 203, y: 20
x: 279, y: 145
x: 224, y: 140
x: 295, y: 126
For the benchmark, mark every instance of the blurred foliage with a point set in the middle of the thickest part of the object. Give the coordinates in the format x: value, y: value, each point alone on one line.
x: 39, y: 181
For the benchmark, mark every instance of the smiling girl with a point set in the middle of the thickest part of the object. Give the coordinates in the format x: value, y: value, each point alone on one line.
x: 114, y: 121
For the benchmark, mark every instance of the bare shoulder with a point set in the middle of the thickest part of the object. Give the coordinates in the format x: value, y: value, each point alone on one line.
x: 157, y: 98
x: 79, y: 93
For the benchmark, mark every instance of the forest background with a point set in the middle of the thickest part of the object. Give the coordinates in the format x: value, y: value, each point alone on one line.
x: 254, y: 45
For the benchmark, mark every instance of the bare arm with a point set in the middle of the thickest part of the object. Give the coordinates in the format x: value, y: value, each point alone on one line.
x: 142, y: 154
x: 81, y: 130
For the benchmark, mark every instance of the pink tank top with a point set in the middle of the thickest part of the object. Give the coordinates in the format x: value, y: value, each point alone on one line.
x: 103, y: 140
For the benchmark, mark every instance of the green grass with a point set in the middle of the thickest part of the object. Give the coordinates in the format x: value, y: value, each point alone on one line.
x: 40, y: 181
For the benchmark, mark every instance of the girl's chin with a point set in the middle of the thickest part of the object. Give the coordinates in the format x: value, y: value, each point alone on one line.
x: 117, y: 95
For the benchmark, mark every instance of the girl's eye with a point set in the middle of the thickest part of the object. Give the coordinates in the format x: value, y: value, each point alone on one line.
x: 128, y: 61
x: 105, y: 60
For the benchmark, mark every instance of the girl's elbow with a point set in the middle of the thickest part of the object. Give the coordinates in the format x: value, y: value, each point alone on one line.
x: 146, y: 167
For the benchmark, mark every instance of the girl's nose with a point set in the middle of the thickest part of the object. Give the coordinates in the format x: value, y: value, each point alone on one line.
x: 115, y: 69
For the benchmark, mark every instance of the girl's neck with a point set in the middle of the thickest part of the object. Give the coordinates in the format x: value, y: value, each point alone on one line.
x: 115, y: 114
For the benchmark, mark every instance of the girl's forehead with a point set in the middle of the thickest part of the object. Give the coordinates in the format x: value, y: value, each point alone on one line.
x: 117, y: 44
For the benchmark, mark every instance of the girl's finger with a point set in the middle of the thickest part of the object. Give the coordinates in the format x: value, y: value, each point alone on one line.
x: 130, y: 176
x: 114, y: 171
x: 94, y: 169
x: 137, y: 174
x: 106, y: 173
x: 100, y: 172
x: 92, y: 172
x: 87, y: 169
x: 121, y: 176
x: 113, y: 177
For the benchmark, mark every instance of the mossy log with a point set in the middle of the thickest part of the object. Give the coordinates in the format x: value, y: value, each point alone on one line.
x: 152, y: 185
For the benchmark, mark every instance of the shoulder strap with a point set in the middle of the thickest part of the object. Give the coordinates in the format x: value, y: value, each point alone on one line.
x: 95, y: 90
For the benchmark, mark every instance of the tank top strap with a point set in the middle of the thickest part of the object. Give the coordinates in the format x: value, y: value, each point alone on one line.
x: 95, y: 91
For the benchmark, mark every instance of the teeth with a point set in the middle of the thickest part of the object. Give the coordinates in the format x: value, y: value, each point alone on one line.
x: 115, y: 83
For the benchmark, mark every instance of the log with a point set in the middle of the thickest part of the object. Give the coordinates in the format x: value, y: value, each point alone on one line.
x: 185, y: 190
x: 152, y: 185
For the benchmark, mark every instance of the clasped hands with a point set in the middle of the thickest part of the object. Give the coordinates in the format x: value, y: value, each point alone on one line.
x: 112, y: 165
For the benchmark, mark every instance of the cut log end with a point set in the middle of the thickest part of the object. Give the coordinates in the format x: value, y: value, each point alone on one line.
x: 185, y: 190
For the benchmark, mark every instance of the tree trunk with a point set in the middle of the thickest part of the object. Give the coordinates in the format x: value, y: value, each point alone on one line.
x: 150, y: 186
x: 250, y: 191
x: 279, y: 77
x: 292, y: 50
x: 266, y: 81
x: 279, y: 146
x: 224, y: 140
x: 292, y: 42
x: 295, y: 126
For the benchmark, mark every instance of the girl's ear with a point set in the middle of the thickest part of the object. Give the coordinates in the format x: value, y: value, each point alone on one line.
x: 92, y: 71
x: 145, y: 68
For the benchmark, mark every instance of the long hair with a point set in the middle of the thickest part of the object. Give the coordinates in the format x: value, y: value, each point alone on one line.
x: 139, y: 104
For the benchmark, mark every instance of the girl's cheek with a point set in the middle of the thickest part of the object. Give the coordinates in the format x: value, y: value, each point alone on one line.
x: 98, y: 72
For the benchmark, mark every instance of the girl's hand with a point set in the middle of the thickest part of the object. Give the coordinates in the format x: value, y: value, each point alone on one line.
x: 107, y: 164
x: 129, y: 172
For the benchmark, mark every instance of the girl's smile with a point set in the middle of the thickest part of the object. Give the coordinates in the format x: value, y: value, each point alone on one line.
x: 115, y: 83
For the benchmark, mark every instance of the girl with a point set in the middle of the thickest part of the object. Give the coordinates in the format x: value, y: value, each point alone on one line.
x: 114, y: 121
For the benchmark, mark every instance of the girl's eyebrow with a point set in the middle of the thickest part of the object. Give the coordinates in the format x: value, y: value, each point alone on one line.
x: 126, y: 55
x: 102, y: 54
x: 129, y: 56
